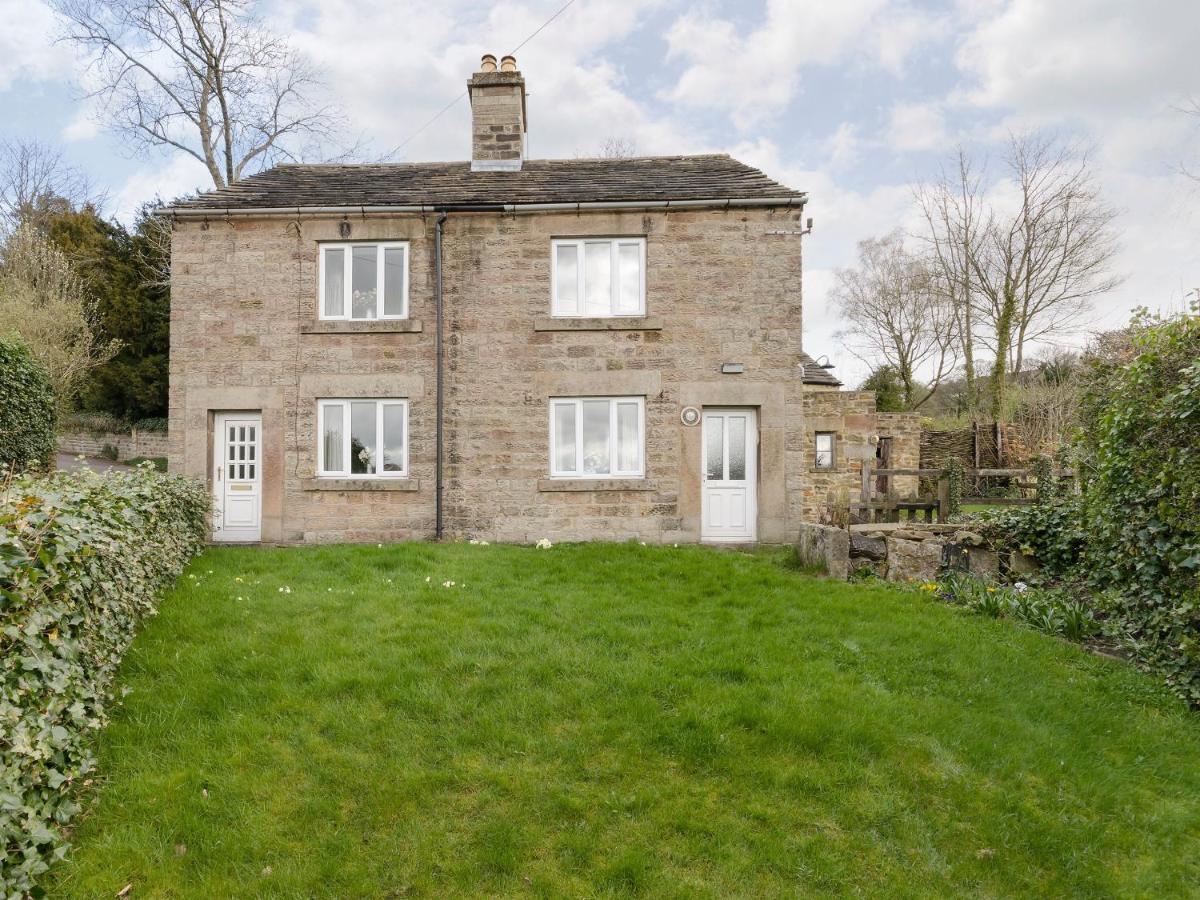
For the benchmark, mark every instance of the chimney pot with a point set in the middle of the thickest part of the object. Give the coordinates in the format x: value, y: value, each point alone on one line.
x: 508, y: 64
x: 488, y: 63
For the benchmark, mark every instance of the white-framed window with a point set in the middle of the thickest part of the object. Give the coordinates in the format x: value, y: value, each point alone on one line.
x: 364, y: 280
x: 362, y: 438
x: 597, y: 437
x: 598, y: 277
x: 824, y: 455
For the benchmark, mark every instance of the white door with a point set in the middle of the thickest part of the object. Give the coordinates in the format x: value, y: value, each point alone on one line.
x: 729, y: 504
x: 237, y: 477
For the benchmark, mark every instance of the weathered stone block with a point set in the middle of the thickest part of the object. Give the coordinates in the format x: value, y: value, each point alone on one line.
x: 862, y: 545
x: 826, y: 546
x: 913, y: 560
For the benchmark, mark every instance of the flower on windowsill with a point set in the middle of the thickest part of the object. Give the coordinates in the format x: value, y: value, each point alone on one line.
x: 544, y: 544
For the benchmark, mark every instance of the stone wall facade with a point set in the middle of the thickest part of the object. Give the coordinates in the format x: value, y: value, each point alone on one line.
x: 857, y: 428
x: 720, y: 288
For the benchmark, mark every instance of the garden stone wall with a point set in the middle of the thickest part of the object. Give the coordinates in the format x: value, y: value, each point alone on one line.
x: 906, y: 553
x: 128, y: 444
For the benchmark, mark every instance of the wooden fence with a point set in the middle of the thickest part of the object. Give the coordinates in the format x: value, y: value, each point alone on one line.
x: 880, y: 501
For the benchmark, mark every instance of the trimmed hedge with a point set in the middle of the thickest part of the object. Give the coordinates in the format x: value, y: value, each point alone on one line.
x: 27, y: 411
x: 83, y: 558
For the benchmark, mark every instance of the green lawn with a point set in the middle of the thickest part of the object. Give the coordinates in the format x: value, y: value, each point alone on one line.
x: 614, y: 720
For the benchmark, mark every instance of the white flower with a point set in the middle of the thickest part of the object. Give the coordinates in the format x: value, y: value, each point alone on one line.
x: 483, y: 543
x: 379, y: 545
x: 472, y: 541
x: 428, y: 578
x: 1020, y: 587
x: 447, y: 584
x: 544, y: 544
x: 643, y: 543
x: 285, y: 590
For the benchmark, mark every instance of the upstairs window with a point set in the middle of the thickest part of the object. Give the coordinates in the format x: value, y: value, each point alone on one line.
x: 362, y: 438
x: 364, y: 281
x: 824, y: 450
x: 599, y: 278
x: 597, y: 437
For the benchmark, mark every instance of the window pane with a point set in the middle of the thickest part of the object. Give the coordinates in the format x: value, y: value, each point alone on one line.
x: 595, y: 437
x: 737, y: 448
x: 567, y: 279
x: 629, y: 258
x: 362, y: 438
x: 333, y: 440
x: 564, y: 437
x: 629, y: 444
x: 335, y: 281
x: 363, y: 278
x: 597, y: 279
x: 393, y: 281
x: 714, y: 452
x: 393, y: 438
x: 825, y: 451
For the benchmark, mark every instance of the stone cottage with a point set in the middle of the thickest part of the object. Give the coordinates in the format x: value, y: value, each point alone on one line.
x: 505, y: 348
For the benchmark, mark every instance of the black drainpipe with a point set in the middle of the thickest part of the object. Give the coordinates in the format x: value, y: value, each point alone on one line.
x: 437, y: 295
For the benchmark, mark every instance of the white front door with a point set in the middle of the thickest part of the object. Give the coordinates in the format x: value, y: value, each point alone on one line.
x: 237, y: 477
x: 729, y: 505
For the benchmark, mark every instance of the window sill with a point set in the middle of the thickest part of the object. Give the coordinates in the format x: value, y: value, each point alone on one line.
x: 815, y: 470
x: 616, y: 323
x: 552, y: 485
x: 360, y: 484
x: 376, y: 326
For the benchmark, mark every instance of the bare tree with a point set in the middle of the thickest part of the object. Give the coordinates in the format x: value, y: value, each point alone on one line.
x: 1039, y: 260
x: 34, y: 178
x: 896, y: 315
x: 46, y: 302
x: 615, y: 147
x: 953, y: 210
x: 203, y: 77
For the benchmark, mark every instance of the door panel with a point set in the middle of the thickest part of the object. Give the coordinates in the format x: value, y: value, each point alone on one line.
x: 237, y: 477
x: 729, y: 501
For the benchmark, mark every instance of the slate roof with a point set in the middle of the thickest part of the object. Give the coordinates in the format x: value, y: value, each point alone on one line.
x: 812, y: 373
x: 712, y: 177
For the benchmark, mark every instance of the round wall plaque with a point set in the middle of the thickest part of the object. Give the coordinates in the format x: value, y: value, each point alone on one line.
x: 690, y: 416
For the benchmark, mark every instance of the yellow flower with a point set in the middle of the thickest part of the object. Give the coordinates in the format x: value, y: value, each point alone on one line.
x: 991, y: 590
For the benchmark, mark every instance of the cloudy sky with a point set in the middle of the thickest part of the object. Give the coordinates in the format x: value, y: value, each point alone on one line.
x: 850, y: 100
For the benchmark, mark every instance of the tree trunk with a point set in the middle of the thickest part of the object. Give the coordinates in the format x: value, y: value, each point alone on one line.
x: 1004, y: 327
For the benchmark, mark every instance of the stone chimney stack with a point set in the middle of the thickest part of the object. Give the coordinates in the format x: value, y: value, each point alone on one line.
x: 497, y: 116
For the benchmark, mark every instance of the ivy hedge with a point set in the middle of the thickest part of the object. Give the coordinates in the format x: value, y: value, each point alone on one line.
x: 83, y: 559
x: 27, y: 411
x: 1133, y: 535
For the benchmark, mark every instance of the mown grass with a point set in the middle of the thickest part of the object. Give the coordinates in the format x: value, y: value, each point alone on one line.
x: 618, y: 720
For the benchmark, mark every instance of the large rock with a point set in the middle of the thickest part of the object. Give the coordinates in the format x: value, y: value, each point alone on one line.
x: 913, y: 560
x: 1021, y: 564
x: 983, y: 563
x: 825, y: 546
x: 866, y: 546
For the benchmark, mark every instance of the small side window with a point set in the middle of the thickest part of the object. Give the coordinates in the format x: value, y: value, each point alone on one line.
x: 824, y: 450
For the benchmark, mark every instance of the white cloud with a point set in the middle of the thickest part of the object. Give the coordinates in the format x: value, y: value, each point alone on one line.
x: 27, y: 48
x: 755, y: 75
x: 1083, y: 57
x: 173, y: 178
x: 917, y: 126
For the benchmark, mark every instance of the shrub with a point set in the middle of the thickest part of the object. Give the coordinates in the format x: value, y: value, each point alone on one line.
x: 1141, y: 441
x: 27, y: 408
x: 1132, y: 536
x: 82, y: 559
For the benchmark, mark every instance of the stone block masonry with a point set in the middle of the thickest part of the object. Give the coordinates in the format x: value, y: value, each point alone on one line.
x: 720, y: 287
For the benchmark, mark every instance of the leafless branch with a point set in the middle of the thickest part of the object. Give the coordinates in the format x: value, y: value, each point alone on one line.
x: 203, y: 77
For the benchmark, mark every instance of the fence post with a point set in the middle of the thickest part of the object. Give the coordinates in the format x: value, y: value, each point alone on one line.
x: 943, y: 496
x: 868, y: 513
